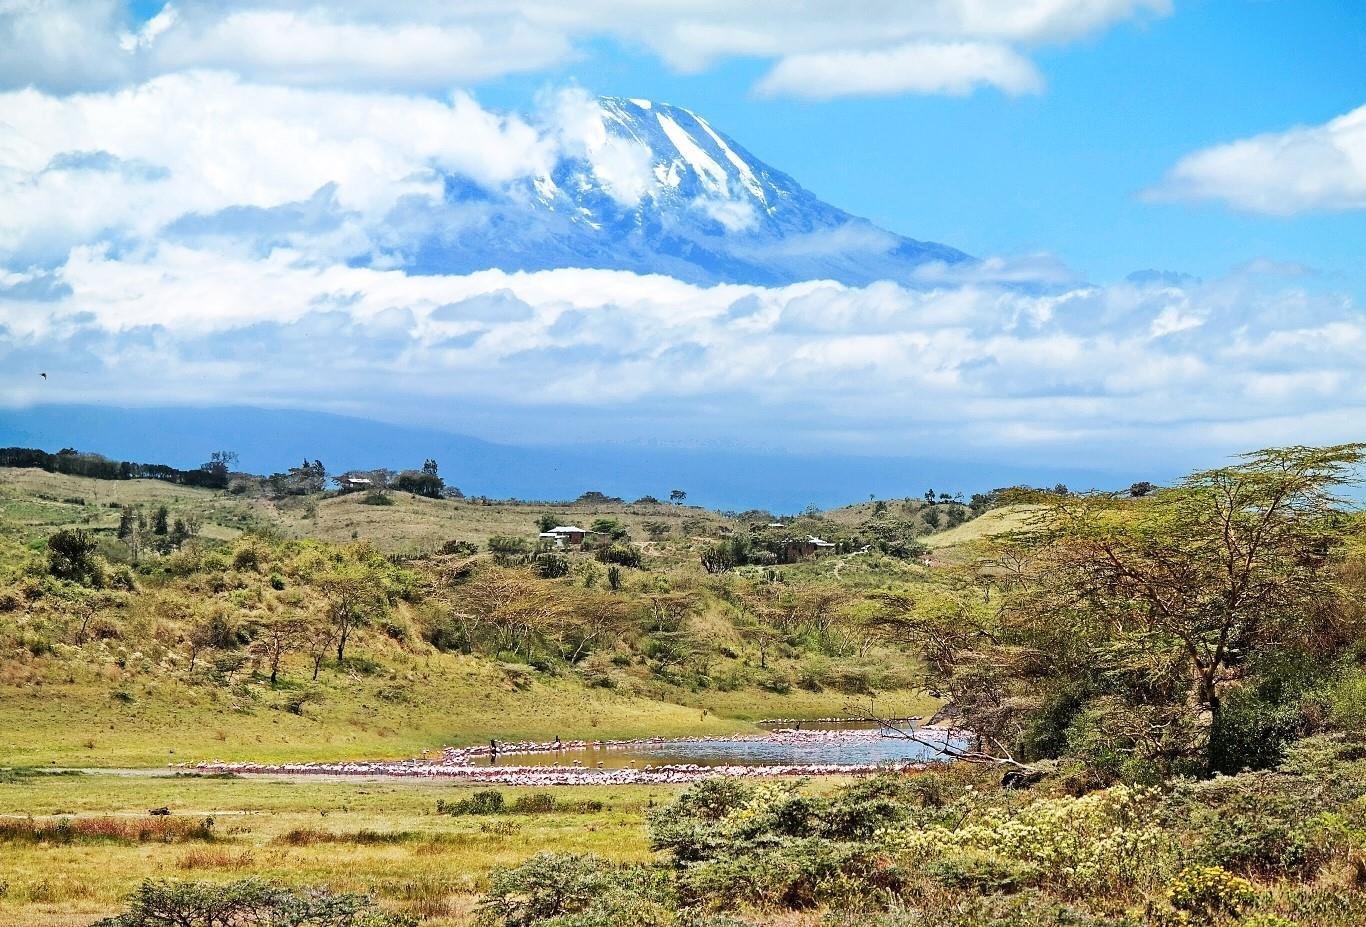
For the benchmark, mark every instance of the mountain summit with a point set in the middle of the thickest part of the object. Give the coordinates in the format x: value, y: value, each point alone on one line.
x: 655, y: 188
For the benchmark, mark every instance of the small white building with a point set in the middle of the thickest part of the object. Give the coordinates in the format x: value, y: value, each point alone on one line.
x: 564, y: 536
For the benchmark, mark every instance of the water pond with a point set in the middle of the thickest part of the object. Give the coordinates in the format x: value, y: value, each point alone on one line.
x: 815, y: 744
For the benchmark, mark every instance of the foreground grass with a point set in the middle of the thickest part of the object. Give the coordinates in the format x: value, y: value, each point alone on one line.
x: 431, y: 865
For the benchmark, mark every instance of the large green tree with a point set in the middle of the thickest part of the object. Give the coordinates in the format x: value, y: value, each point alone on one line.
x: 1123, y: 625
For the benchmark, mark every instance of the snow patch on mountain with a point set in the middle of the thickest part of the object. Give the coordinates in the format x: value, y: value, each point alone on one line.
x: 654, y: 188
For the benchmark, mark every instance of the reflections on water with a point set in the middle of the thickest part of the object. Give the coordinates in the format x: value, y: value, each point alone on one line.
x: 815, y: 744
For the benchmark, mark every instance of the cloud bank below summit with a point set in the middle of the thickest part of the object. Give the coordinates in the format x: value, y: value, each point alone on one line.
x: 576, y: 355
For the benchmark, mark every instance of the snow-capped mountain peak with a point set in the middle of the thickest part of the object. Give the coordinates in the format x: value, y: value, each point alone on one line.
x: 655, y: 188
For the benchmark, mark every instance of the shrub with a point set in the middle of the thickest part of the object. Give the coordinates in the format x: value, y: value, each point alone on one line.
x: 248, y: 903
x: 491, y: 801
x: 246, y: 559
x: 582, y: 890
x: 71, y: 555
x: 107, y: 830
x: 619, y: 554
x: 485, y: 801
x: 551, y: 566
x: 508, y: 549
x: 982, y: 872
x: 1205, y: 891
x: 1256, y: 824
x: 1101, y: 842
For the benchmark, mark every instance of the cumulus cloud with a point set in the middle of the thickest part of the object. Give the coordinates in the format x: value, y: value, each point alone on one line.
x: 1303, y: 169
x: 931, y: 46
x: 920, y: 67
x: 128, y: 163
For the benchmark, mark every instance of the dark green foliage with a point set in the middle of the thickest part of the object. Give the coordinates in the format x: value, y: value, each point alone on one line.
x: 419, y: 483
x: 620, y: 554
x: 565, y: 890
x: 491, y: 801
x: 725, y: 554
x: 248, y: 903
x: 550, y: 566
x: 485, y: 801
x: 509, y: 549
x: 609, y: 528
x: 211, y: 475
x: 71, y: 555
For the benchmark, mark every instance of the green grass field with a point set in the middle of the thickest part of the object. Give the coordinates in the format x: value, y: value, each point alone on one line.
x: 429, y: 864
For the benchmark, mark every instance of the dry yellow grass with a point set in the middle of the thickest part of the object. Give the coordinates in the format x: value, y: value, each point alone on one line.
x: 997, y: 521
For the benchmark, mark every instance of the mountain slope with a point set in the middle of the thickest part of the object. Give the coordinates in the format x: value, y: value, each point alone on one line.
x: 656, y: 189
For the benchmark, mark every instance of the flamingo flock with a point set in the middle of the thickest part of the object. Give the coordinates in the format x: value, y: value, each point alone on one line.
x: 459, y: 763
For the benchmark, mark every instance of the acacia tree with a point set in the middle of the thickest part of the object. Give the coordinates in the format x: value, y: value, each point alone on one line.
x: 279, y: 636
x: 356, y: 592
x: 512, y: 606
x: 1129, y: 621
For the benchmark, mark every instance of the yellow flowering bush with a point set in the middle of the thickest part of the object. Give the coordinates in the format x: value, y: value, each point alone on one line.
x: 1201, y: 893
x: 1266, y: 920
x: 1098, y: 842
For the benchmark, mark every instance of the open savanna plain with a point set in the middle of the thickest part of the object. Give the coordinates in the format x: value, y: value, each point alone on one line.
x: 1128, y: 765
x: 379, y: 837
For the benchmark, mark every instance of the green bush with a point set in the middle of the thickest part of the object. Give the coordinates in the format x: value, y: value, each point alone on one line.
x: 248, y: 903
x: 620, y: 554
x: 485, y: 801
x: 551, y: 566
x: 566, y: 890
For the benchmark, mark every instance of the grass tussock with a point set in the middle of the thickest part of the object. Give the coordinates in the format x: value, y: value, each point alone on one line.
x: 216, y: 858
x: 308, y: 836
x: 106, y: 830
x: 491, y: 801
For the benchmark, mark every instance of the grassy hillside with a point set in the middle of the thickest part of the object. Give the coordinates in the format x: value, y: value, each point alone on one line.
x: 112, y: 675
x: 33, y: 502
x: 417, y: 523
x: 996, y: 521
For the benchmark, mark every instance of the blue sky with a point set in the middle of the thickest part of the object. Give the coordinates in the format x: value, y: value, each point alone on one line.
x: 214, y: 203
x: 1061, y: 170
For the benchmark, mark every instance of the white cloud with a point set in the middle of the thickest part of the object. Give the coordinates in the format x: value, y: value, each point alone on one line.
x: 207, y: 142
x: 935, y: 45
x: 1150, y: 370
x: 621, y: 165
x: 919, y: 67
x: 311, y: 47
x: 1300, y: 170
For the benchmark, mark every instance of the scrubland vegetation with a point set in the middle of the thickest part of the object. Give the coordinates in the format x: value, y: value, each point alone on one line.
x: 1165, y: 687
